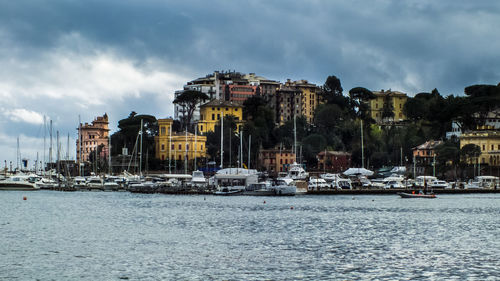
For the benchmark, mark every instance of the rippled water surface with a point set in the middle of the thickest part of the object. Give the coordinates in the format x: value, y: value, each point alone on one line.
x: 113, y: 236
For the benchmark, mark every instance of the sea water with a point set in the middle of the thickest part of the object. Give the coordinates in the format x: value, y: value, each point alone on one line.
x: 118, y: 235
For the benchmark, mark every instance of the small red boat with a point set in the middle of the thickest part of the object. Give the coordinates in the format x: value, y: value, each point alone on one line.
x: 416, y: 195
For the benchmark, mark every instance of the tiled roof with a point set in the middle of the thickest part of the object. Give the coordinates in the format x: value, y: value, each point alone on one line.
x: 221, y: 103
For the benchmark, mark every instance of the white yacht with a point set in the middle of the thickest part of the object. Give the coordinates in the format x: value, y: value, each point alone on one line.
x: 317, y: 184
x: 424, y: 181
x: 341, y: 183
x: 234, y: 180
x: 19, y: 182
x: 297, y: 172
x: 439, y: 184
x: 95, y: 182
x: 46, y: 183
x: 490, y: 182
x: 282, y: 188
x: 198, y: 180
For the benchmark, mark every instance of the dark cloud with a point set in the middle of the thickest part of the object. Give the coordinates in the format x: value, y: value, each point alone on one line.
x: 412, y: 46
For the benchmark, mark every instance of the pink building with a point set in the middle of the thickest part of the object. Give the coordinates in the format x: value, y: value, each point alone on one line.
x: 240, y: 93
x: 91, y: 136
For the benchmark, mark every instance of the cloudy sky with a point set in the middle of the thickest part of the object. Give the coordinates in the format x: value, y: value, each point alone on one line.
x: 72, y: 59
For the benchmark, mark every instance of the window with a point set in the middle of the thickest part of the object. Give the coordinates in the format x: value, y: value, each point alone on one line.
x: 376, y: 106
x: 484, y: 147
x: 162, y: 147
x: 201, y: 128
x: 173, y: 147
x: 201, y: 117
x: 227, y: 109
x: 213, y: 108
x: 235, y: 109
x: 202, y: 147
x: 492, y: 146
x: 180, y: 146
x: 187, y: 146
x: 163, y: 130
x: 213, y: 116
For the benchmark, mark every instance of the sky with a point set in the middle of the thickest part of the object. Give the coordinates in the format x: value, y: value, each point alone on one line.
x: 72, y: 60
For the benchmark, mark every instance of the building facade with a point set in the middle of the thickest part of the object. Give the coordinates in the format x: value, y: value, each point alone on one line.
x: 334, y: 161
x: 275, y: 161
x: 424, y: 154
x: 311, y: 97
x: 288, y: 104
x: 178, y: 145
x: 211, y: 112
x: 91, y: 137
x: 488, y: 141
x: 394, y: 98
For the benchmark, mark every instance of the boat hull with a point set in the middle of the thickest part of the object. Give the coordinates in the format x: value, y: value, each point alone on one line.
x: 416, y: 195
x: 23, y: 187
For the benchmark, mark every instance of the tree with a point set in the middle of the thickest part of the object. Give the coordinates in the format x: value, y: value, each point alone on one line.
x: 448, y: 152
x: 332, y: 92
x: 482, y: 99
x: 360, y: 98
x: 127, y: 135
x: 470, y: 152
x: 189, y: 100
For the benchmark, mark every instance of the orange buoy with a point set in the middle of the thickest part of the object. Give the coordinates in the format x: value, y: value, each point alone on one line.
x: 25, y: 198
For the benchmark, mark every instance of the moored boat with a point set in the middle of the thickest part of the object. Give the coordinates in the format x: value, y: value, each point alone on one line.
x: 19, y: 182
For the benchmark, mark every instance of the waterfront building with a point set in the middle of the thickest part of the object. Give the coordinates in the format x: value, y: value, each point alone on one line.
x: 288, y: 104
x: 227, y: 86
x: 424, y: 154
x: 275, y: 160
x: 488, y: 140
x: 394, y: 100
x: 333, y: 161
x: 92, y: 137
x: 178, y: 145
x: 211, y: 112
x: 311, y: 97
x: 240, y: 93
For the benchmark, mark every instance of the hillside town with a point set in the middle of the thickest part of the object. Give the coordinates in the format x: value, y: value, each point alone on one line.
x: 230, y: 120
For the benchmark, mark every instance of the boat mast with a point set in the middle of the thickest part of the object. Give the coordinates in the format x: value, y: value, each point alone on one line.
x: 186, y: 153
x: 195, y: 135
x: 58, y: 155
x: 140, y: 149
x: 295, y: 135
x: 249, y: 142
x: 221, y: 141
x: 18, y: 155
x: 50, y: 146
x: 44, y: 146
x: 170, y: 149
x: 241, y: 148
x: 109, y: 155
x: 362, y: 147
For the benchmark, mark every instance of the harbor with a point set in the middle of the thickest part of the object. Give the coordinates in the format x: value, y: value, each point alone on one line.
x: 131, y: 236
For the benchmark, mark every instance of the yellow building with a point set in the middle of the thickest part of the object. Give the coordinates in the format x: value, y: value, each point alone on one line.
x: 178, y: 145
x: 397, y: 99
x: 211, y: 112
x: 310, y: 97
x: 489, y: 142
